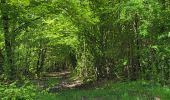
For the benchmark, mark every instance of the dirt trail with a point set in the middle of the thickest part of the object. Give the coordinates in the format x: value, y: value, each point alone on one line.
x: 64, y: 81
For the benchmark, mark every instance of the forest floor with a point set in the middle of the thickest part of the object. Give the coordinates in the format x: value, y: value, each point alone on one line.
x: 61, y: 87
x: 58, y: 81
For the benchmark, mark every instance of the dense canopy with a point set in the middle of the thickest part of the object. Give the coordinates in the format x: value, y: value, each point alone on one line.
x: 118, y: 40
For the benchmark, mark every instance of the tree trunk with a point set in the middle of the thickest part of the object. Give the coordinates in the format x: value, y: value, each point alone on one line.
x: 1, y: 62
x: 136, y: 57
x: 40, y: 61
x: 10, y: 68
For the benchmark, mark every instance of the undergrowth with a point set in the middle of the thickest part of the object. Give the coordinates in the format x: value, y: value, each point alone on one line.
x: 137, y: 90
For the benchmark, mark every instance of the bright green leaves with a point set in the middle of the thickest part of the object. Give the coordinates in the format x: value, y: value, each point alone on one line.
x: 144, y: 28
x: 60, y: 30
x: 79, y: 12
x: 164, y: 36
x: 1, y: 40
x: 19, y: 2
x: 145, y: 11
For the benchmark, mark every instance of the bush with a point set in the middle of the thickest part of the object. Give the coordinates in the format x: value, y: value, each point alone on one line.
x: 13, y: 92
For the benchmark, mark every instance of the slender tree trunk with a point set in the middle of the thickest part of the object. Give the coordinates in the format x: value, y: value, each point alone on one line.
x: 27, y: 62
x: 40, y: 61
x: 162, y: 30
x: 136, y: 58
x: 10, y: 68
x: 43, y: 55
x: 1, y: 62
x: 73, y: 60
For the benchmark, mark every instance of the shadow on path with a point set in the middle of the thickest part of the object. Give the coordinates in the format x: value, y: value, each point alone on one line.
x: 62, y: 79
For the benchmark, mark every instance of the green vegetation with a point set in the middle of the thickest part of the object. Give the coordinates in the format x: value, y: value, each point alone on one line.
x: 119, y: 91
x: 57, y: 45
x: 140, y: 90
x: 12, y: 92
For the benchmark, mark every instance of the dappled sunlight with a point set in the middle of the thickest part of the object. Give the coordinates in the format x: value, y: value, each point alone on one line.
x: 84, y: 49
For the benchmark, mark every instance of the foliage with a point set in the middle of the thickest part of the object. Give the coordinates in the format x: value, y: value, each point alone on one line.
x: 13, y: 92
x: 140, y: 90
x: 96, y: 39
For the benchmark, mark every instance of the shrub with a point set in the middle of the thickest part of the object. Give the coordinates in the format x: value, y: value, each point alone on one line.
x: 13, y: 92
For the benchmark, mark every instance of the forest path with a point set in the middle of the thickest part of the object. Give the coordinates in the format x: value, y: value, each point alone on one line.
x: 57, y: 81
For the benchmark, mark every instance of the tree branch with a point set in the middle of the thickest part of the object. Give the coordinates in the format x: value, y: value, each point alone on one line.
x: 25, y: 24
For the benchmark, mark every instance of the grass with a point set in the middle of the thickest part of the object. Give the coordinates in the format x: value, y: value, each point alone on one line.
x: 136, y: 90
x: 139, y: 90
x: 52, y: 81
